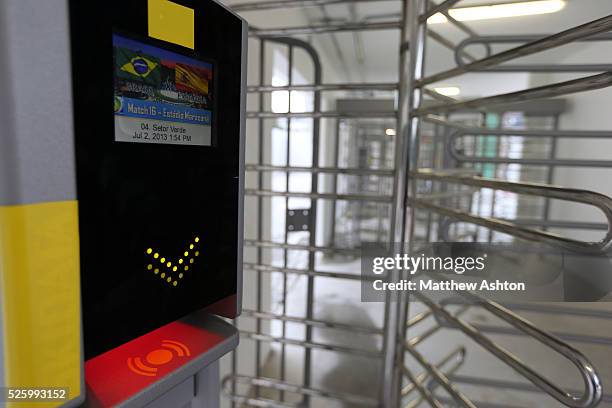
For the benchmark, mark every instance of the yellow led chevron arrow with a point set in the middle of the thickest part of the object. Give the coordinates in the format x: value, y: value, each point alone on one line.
x: 171, y: 272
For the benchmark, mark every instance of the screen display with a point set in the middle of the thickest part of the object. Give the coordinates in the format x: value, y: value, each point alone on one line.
x: 161, y: 96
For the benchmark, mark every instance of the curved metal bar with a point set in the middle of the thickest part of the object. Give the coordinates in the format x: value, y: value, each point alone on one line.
x: 291, y: 388
x: 510, y: 39
x: 425, y: 393
x: 505, y: 384
x: 565, y: 336
x: 601, y: 25
x: 459, y: 133
x: 602, y: 202
x: 458, y: 354
x: 589, y: 83
x: 460, y: 398
x: 542, y: 309
x: 593, y: 388
x: 446, y: 223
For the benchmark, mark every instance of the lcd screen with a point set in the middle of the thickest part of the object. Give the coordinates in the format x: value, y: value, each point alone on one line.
x: 161, y: 96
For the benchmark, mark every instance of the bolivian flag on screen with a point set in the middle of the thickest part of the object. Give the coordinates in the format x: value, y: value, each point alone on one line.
x: 137, y: 66
x: 191, y: 79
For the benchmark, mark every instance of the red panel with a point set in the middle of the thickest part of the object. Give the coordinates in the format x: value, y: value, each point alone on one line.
x: 118, y: 374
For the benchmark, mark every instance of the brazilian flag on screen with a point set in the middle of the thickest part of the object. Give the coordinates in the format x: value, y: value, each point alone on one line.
x: 137, y: 66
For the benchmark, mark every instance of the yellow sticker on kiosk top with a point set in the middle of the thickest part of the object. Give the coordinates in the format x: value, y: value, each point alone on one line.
x: 171, y: 22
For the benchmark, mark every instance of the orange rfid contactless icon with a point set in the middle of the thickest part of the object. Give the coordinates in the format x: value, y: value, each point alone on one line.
x: 158, y: 357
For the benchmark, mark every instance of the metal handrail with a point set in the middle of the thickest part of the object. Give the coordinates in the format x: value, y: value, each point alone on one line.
x: 602, y: 202
x: 445, y: 225
x: 383, y: 86
x: 544, y: 309
x: 299, y: 247
x: 328, y: 170
x: 326, y: 28
x: 451, y: 147
x: 593, y: 388
x: 325, y: 196
x: 310, y: 344
x: 322, y: 324
x: 565, y: 37
x: 326, y: 114
x: 305, y: 272
x: 509, y: 39
x: 445, y: 42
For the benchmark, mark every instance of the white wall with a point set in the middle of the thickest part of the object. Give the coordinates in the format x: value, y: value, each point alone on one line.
x: 586, y: 111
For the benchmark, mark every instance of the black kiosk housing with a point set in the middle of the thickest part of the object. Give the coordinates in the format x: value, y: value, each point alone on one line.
x: 160, y: 152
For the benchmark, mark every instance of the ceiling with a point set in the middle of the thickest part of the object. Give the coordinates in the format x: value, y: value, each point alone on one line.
x: 373, y: 55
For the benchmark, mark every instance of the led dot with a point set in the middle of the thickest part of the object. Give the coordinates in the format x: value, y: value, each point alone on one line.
x: 197, y: 239
x: 174, y: 269
x: 186, y: 268
x: 163, y: 275
x: 181, y: 260
x: 149, y: 266
x: 162, y: 260
x: 149, y: 250
x: 169, y: 279
x: 186, y: 253
x: 191, y: 260
x: 180, y: 275
x: 169, y: 264
x: 156, y: 271
x: 174, y: 283
x: 197, y: 253
x: 156, y: 255
x: 191, y: 246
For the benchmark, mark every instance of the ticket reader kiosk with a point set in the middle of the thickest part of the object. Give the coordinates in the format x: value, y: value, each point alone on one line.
x: 122, y: 183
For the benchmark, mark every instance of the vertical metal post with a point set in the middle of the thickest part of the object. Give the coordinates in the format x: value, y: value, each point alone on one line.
x: 394, y: 331
x: 314, y: 188
x: 413, y: 39
x: 332, y: 235
x: 286, y: 238
x: 260, y: 212
x: 498, y: 140
x: 550, y: 176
